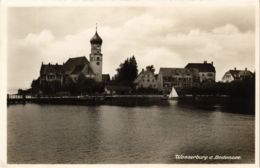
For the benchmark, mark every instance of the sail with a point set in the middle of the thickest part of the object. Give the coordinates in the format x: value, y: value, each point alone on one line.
x: 173, y: 93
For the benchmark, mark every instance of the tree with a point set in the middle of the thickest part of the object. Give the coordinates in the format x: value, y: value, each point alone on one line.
x: 83, y: 85
x: 150, y: 68
x: 35, y: 86
x: 127, y: 72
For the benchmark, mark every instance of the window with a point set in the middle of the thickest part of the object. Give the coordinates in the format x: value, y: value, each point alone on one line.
x: 148, y: 80
x: 98, y: 63
x: 98, y: 58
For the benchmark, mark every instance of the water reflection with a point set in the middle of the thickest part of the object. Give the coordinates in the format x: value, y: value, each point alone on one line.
x: 126, y: 134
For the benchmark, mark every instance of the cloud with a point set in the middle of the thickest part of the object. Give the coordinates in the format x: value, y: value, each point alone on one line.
x: 161, y: 38
x: 43, y: 38
x: 227, y: 29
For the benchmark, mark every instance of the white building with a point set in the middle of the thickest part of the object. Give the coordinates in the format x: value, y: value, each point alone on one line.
x: 235, y: 75
x: 146, y: 79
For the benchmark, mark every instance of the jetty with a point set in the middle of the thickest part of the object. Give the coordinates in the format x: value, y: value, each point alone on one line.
x: 77, y: 100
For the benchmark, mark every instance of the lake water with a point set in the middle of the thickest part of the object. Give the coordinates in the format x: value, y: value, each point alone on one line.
x: 119, y: 134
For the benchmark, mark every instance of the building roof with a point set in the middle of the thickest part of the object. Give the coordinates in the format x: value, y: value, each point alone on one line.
x: 142, y: 74
x: 49, y: 68
x: 74, y: 63
x: 78, y: 69
x: 105, y: 77
x: 202, y: 67
x: 236, y: 74
x: 96, y: 39
x: 173, y: 71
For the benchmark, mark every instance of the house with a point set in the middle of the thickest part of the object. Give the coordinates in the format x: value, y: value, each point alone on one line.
x: 146, y: 79
x: 235, y: 75
x: 115, y: 89
x: 51, y: 73
x: 207, y: 72
x: 176, y: 77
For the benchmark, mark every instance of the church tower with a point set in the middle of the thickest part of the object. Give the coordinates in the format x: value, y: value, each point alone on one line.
x: 95, y: 56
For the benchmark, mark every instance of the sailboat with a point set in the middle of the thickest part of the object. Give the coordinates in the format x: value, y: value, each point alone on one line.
x: 173, y: 95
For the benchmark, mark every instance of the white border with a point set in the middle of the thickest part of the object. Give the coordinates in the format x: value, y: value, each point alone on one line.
x: 257, y: 84
x: 77, y: 3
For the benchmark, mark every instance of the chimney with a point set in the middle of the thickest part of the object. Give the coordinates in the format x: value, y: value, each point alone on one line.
x: 246, y: 69
x: 212, y: 62
x: 235, y: 68
x: 205, y: 62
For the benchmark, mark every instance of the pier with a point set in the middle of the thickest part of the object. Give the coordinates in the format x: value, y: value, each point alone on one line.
x: 77, y: 100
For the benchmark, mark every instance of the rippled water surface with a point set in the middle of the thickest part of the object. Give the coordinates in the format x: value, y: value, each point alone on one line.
x: 114, y: 134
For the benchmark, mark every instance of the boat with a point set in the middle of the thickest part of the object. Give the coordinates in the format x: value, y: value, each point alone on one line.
x: 173, y: 94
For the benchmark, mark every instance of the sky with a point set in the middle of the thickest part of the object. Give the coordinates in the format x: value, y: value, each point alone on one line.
x: 163, y: 36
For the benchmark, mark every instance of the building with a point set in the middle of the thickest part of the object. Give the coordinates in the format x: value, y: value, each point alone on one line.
x: 207, y: 72
x: 176, y: 77
x: 236, y: 75
x: 146, y: 79
x: 74, y: 67
x: 96, y: 57
x: 51, y: 73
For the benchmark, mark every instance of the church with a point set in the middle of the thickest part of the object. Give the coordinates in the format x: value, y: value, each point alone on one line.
x: 74, y: 67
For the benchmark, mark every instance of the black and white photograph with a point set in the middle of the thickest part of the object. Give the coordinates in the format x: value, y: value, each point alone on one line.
x: 137, y: 83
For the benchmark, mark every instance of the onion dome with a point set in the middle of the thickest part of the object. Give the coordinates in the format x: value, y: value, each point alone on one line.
x: 96, y: 39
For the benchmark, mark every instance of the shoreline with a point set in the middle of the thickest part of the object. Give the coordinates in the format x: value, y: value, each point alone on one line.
x: 205, y: 102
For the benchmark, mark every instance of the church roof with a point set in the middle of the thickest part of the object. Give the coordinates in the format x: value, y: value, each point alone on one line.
x: 78, y: 69
x: 72, y: 63
x: 96, y: 39
x: 83, y: 68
